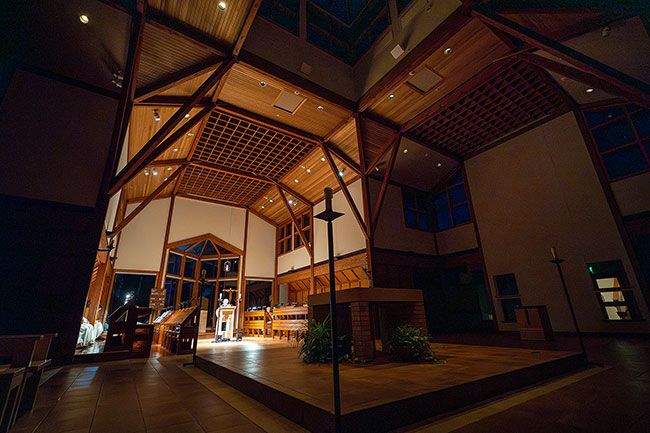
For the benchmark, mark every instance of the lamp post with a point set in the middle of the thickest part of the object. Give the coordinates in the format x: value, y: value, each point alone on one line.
x: 329, y: 215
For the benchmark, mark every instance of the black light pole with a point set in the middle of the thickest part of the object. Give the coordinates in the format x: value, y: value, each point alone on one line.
x: 329, y: 215
x: 198, y: 319
x: 558, y: 262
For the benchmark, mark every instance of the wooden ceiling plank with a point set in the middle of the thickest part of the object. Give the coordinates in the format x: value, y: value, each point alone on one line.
x: 145, y: 202
x: 307, y: 245
x: 140, y: 160
x: 385, y: 181
x: 177, y: 78
x: 346, y: 191
x: 375, y: 162
x: 223, y: 169
x: 584, y: 77
x: 171, y: 101
x: 616, y: 78
x: 295, y: 193
x: 180, y: 29
x: 344, y: 157
x: 167, y: 162
x: 248, y: 23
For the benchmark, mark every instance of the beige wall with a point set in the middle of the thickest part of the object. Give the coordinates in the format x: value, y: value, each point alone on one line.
x: 260, y: 248
x: 192, y: 218
x: 142, y: 240
x: 540, y: 190
x: 391, y: 231
x: 456, y: 239
x: 633, y: 194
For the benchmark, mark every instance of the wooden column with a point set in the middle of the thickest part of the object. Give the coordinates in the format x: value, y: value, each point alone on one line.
x: 365, y: 190
x: 242, y: 280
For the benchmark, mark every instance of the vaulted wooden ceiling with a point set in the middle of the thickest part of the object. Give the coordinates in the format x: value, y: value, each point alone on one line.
x: 246, y: 147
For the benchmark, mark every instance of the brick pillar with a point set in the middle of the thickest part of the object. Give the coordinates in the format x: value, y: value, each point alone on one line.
x: 418, y: 319
x: 363, y: 346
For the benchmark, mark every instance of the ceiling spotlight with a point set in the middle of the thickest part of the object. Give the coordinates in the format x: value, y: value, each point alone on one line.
x: 342, y: 172
x: 154, y: 172
x: 156, y: 115
x: 448, y: 51
x: 169, y: 169
x: 589, y: 90
x: 605, y: 31
x: 187, y: 115
x: 84, y: 19
x: 295, y: 92
x: 190, y: 134
x: 405, y: 151
x: 262, y: 207
x: 391, y: 96
x: 295, y: 180
x: 175, y: 149
x: 377, y: 169
x: 165, y: 179
x: 426, y: 155
x: 411, y: 73
x: 266, y: 198
x: 262, y: 83
x: 309, y: 170
x: 439, y: 164
x: 270, y: 200
x: 322, y: 158
x: 320, y: 108
x: 290, y: 201
x: 222, y: 5
x: 146, y: 172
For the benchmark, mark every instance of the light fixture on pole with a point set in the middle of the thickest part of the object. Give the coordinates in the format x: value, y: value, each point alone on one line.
x: 329, y: 215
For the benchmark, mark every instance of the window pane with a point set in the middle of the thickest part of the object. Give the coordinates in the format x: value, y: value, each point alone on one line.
x: 210, y: 267
x: 461, y: 214
x: 171, y: 286
x: 440, y: 202
x: 198, y: 248
x: 509, y: 306
x: 190, y: 267
x: 625, y: 161
x: 443, y: 219
x: 209, y: 249
x: 186, y: 291
x: 423, y: 222
x: 641, y: 122
x: 174, y: 264
x: 421, y: 201
x: 595, y: 118
x: 409, y: 202
x: 506, y: 285
x: 456, y: 179
x: 457, y: 195
x: 410, y: 219
x: 616, y: 134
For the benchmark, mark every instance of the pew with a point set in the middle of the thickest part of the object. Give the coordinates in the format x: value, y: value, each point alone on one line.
x: 254, y: 323
x: 288, y: 321
x: 16, y: 354
x: 34, y: 373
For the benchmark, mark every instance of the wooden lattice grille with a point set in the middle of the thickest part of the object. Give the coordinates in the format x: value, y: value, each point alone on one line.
x: 236, y: 143
x: 515, y: 98
x: 204, y: 182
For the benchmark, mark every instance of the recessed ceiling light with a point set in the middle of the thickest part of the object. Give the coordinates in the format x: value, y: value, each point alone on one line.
x: 262, y: 83
x: 448, y: 51
x: 376, y: 168
x: 84, y: 18
x: 309, y: 170
x: 320, y: 108
x: 156, y: 115
x: 154, y: 172
x: 169, y: 169
x: 266, y: 198
x: 270, y: 200
x: 262, y: 207
x: 190, y: 134
x: 322, y: 158
x: 439, y: 164
x: 175, y: 149
x: 146, y: 172
x: 290, y: 201
x: 405, y: 151
x: 295, y: 180
x: 222, y: 5
x: 165, y: 179
x: 295, y: 92
x: 187, y: 115
x: 342, y: 172
x: 391, y: 96
x: 589, y: 90
x: 426, y: 155
x: 411, y: 73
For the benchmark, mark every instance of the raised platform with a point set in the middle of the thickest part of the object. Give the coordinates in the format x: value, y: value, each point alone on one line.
x: 381, y: 396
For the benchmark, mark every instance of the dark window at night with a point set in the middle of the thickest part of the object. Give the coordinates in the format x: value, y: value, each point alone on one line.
x: 508, y: 296
x: 417, y: 210
x: 622, y: 138
x: 288, y: 237
x: 282, y: 12
x: 174, y: 262
x: 614, y: 294
x: 450, y: 204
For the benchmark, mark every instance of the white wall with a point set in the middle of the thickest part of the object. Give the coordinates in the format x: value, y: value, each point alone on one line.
x: 193, y: 218
x: 260, y: 248
x: 391, y: 231
x: 113, y: 203
x: 142, y: 240
x: 293, y: 260
x: 633, y: 194
x: 540, y: 190
x: 456, y: 239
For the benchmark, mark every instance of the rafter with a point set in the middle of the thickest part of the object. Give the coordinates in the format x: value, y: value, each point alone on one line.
x: 229, y: 170
x: 334, y: 149
x: 144, y: 156
x: 375, y: 162
x: 248, y: 23
x: 385, y: 181
x: 178, y: 77
x: 146, y: 201
x: 346, y: 191
x: 307, y: 245
x: 295, y: 193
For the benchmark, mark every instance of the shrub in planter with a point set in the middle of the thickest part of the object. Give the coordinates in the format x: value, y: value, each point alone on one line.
x: 410, y: 344
x: 317, y: 343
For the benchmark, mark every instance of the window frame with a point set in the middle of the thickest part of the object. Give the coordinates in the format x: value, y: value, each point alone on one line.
x: 419, y: 213
x: 636, y: 141
x: 625, y: 289
x: 287, y: 238
x: 446, y: 187
x: 500, y: 297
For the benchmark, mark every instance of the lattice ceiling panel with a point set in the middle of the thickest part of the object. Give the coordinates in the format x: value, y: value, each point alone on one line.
x: 515, y: 98
x: 217, y: 185
x: 243, y: 145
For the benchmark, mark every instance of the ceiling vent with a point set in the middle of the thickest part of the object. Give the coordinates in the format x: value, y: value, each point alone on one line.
x: 424, y: 80
x: 305, y: 68
x: 289, y: 102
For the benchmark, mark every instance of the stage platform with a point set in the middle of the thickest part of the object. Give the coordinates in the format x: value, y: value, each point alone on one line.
x: 383, y: 395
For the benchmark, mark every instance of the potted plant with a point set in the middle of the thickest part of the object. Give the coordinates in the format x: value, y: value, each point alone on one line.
x: 410, y: 344
x: 317, y: 343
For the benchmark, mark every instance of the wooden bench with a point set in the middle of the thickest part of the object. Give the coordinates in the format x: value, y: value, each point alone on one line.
x: 290, y: 321
x: 254, y: 323
x: 34, y: 373
x: 18, y: 352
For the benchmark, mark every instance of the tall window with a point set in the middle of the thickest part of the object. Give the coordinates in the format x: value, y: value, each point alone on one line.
x: 622, y: 137
x: 288, y: 237
x: 417, y: 209
x: 613, y: 291
x: 508, y: 295
x: 451, y: 206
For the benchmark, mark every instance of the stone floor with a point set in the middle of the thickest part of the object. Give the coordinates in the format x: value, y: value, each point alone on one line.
x: 158, y: 395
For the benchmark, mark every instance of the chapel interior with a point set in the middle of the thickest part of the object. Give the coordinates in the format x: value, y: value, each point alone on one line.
x: 171, y: 171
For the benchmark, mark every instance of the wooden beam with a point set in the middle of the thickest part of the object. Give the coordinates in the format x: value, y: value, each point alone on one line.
x: 178, y: 77
x: 210, y: 200
x: 167, y: 162
x: 262, y: 216
x: 146, y: 201
x: 616, y: 78
x: 384, y: 182
x: 375, y: 162
x: 230, y: 170
x: 584, y: 77
x: 148, y: 154
x: 295, y: 193
x: 295, y: 221
x: 170, y: 101
x: 181, y: 29
x: 344, y: 157
x: 398, y: 74
x: 248, y: 23
x: 346, y: 191
x: 140, y: 160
